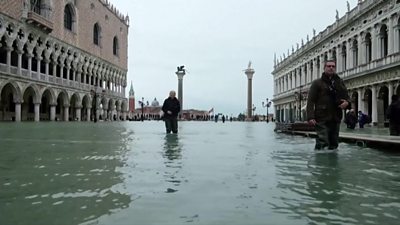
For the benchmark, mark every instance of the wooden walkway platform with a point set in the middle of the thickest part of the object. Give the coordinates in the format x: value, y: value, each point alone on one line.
x: 373, y: 139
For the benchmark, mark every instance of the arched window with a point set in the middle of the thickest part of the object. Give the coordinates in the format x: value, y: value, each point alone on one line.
x: 115, y: 46
x: 355, y: 52
x: 96, y: 34
x: 383, y: 38
x: 68, y: 17
x: 35, y: 6
x: 344, y: 57
x: 368, y: 47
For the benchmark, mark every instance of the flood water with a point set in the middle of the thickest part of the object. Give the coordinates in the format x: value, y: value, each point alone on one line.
x: 210, y: 173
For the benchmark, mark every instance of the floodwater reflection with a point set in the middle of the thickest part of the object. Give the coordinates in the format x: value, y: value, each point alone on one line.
x: 173, y: 161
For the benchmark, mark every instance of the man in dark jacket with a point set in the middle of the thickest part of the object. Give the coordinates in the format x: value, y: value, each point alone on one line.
x: 327, y: 98
x: 393, y: 114
x: 171, y: 108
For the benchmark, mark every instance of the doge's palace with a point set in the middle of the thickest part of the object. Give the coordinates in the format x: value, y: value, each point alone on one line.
x: 62, y: 60
x: 365, y: 43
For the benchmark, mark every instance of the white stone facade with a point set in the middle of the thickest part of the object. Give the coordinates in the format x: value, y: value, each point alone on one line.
x: 365, y: 43
x: 43, y: 76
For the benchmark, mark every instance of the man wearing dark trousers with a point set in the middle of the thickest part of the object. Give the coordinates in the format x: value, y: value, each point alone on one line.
x: 171, y: 109
x: 327, y: 98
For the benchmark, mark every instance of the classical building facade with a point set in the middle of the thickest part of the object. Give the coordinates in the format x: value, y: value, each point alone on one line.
x: 365, y: 43
x: 62, y: 60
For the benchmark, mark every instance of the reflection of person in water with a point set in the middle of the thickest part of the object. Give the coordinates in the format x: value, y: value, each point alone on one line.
x: 172, y: 147
x: 325, y: 187
x: 172, y: 154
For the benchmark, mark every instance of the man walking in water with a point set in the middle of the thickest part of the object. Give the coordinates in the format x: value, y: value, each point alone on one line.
x: 171, y: 108
x: 327, y: 98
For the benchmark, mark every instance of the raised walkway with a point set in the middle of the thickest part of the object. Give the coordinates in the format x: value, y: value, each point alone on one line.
x: 367, y: 136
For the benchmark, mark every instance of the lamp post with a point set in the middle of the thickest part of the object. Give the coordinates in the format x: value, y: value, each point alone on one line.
x: 142, y: 105
x: 267, y: 104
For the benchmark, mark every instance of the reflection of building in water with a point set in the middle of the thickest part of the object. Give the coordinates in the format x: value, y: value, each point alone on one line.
x: 173, y: 160
x: 365, y: 43
x: 59, y: 60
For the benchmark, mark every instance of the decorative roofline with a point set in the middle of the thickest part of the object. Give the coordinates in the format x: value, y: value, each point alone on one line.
x: 362, y: 7
x: 115, y: 11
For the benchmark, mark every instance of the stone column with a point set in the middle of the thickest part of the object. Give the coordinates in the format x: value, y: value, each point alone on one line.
x: 361, y: 50
x: 360, y: 100
x: 66, y: 113
x: 88, y: 114
x: 390, y: 36
x: 375, y: 44
x: 180, y: 75
x: 17, y: 111
x: 52, y: 112
x: 390, y: 93
x: 249, y: 73
x: 37, y: 112
x: 29, y: 65
x: 322, y: 65
x: 19, y: 62
x: 9, y: 49
x: 396, y: 39
x: 374, y: 106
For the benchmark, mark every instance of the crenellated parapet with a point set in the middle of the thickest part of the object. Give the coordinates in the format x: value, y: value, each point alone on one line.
x: 115, y: 11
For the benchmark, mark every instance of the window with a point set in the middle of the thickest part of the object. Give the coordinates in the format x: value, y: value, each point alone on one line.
x: 35, y: 6
x: 68, y: 17
x: 96, y: 34
x: 115, y: 46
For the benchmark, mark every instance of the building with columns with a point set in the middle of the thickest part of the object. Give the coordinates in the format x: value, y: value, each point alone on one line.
x: 365, y: 43
x: 62, y: 60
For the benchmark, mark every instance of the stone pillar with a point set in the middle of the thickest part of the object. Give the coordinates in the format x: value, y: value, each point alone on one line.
x: 66, y: 113
x: 322, y: 65
x: 396, y: 41
x: 374, y: 106
x: 360, y: 100
x: 390, y: 93
x: 375, y: 44
x: 39, y: 59
x: 17, y: 111
x: 350, y: 54
x: 54, y: 69
x: 390, y: 36
x: 52, y: 112
x: 249, y: 73
x: 361, y: 50
x: 46, y: 61
x: 315, y: 70
x: 88, y: 114
x: 180, y: 75
x: 19, y: 62
x: 303, y: 74
x: 9, y: 49
x: 29, y: 65
x: 37, y: 112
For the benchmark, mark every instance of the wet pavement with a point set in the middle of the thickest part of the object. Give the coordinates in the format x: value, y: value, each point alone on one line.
x: 210, y: 173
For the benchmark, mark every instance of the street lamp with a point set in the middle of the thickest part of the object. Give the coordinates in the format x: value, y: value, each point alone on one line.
x: 142, y: 105
x: 267, y: 104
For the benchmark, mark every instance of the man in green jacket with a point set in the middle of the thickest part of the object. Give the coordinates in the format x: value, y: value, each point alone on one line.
x: 327, y: 98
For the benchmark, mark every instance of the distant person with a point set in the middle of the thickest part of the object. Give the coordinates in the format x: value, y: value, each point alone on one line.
x: 363, y: 119
x: 327, y: 98
x: 351, y: 119
x: 171, y: 108
x: 223, y: 119
x: 393, y: 114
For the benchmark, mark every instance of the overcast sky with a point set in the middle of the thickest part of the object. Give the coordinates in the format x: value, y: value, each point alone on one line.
x: 215, y: 39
